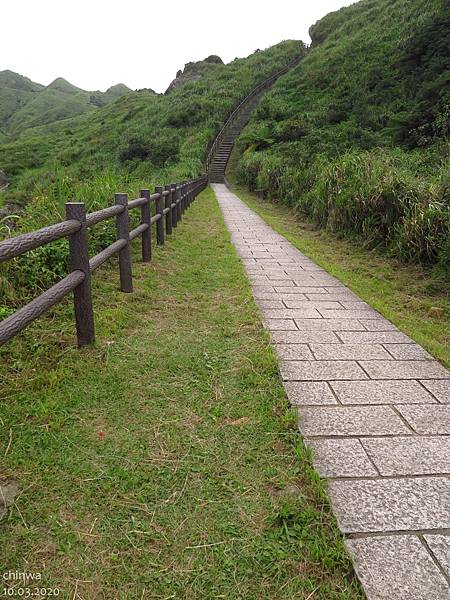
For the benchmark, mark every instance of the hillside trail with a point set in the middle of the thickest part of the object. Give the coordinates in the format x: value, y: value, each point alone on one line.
x: 373, y: 406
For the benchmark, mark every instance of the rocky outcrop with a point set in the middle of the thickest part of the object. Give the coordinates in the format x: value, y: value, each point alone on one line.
x: 193, y: 71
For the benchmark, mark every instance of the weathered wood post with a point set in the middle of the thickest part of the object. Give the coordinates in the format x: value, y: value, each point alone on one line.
x: 123, y: 232
x: 147, y: 234
x: 160, y: 222
x: 79, y: 260
x: 174, y: 201
x: 190, y: 196
x: 180, y: 203
x: 168, y: 205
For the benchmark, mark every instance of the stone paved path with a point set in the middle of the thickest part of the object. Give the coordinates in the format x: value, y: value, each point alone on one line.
x: 373, y: 406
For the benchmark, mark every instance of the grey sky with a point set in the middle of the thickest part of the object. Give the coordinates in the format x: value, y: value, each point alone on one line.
x: 97, y: 43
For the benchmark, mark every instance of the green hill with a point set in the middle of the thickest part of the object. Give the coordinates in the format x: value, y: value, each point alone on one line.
x: 140, y: 140
x: 138, y: 133
x: 25, y: 104
x: 357, y: 135
x: 15, y: 92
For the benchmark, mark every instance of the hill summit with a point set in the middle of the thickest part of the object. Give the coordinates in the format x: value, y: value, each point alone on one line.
x: 25, y: 104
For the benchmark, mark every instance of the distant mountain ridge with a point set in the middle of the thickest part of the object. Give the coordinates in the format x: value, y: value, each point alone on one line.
x: 25, y: 104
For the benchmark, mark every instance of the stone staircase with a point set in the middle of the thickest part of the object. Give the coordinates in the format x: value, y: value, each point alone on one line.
x: 222, y: 155
x: 219, y: 153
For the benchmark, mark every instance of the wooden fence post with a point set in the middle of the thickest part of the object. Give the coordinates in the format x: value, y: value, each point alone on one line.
x: 180, y: 203
x: 146, y: 235
x: 123, y: 232
x: 191, y: 187
x: 79, y: 260
x: 174, y: 201
x: 160, y: 222
x: 168, y: 204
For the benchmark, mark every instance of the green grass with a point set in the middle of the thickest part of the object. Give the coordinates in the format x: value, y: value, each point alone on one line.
x: 158, y: 464
x: 357, y: 135
x: 407, y: 295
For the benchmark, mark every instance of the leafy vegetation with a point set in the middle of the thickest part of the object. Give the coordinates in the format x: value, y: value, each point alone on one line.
x: 406, y: 294
x: 164, y: 463
x: 356, y: 136
x: 140, y: 140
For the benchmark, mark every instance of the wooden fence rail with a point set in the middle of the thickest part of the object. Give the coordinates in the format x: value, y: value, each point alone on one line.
x: 170, y: 204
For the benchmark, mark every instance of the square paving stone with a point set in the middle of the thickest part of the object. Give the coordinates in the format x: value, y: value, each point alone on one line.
x: 349, y: 351
x: 272, y: 295
x: 350, y: 421
x: 294, y: 313
x: 397, y: 568
x: 350, y: 314
x: 303, y: 337
x: 355, y: 305
x: 280, y: 324
x: 303, y: 303
x: 323, y: 370
x: 408, y: 352
x: 440, y: 547
x: 410, y: 456
x: 404, y: 369
x: 279, y: 279
x: 309, y: 393
x: 329, y: 324
x: 333, y: 296
x: 377, y: 325
x: 270, y: 303
x: 302, y: 290
x: 341, y: 458
x: 294, y: 352
x: 312, y: 280
x: 381, y: 392
x: 391, y: 504
x: 440, y: 388
x: 428, y: 420
x: 258, y: 279
x: 259, y: 289
x: 286, y: 288
x: 374, y: 337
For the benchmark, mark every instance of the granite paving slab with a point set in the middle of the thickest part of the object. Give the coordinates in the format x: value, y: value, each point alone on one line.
x: 373, y: 407
x: 409, y: 456
x: 397, y: 568
x: 399, y: 504
x: 429, y: 419
x: 351, y: 421
x: 382, y: 392
x: 440, y: 547
x: 439, y: 388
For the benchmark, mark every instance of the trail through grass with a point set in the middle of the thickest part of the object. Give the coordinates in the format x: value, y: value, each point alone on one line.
x: 164, y: 462
x: 405, y: 294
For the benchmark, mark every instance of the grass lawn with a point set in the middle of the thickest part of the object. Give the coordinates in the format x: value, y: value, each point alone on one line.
x: 405, y: 294
x: 164, y: 462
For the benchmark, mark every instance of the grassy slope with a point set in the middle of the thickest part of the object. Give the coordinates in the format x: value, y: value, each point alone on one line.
x: 150, y: 133
x: 406, y: 295
x: 139, y: 141
x: 181, y: 495
x: 25, y: 105
x: 376, y: 77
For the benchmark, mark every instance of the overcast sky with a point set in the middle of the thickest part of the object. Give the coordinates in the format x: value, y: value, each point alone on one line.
x: 142, y: 43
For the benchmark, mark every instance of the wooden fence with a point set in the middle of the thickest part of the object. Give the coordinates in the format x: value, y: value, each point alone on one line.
x: 170, y: 204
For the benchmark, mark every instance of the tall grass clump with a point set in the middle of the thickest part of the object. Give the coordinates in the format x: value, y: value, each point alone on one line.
x: 357, y: 135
